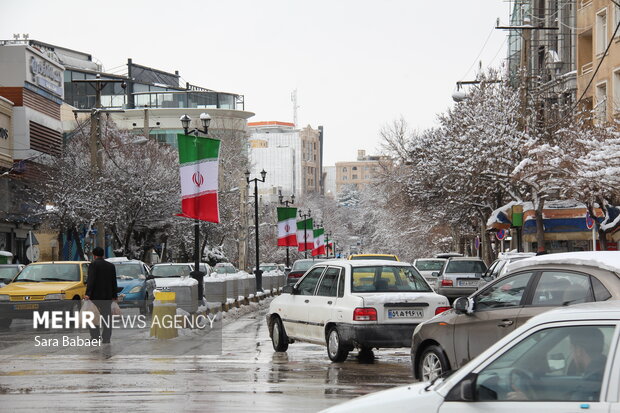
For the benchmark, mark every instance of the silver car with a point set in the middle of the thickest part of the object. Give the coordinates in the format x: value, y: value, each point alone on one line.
x: 430, y: 268
x: 460, y: 277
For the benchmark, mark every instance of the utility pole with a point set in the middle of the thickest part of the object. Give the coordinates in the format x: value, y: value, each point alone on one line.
x: 304, y: 218
x: 243, y: 225
x: 95, y: 139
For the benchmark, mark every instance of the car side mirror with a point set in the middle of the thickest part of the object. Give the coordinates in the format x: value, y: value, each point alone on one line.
x: 464, y: 391
x: 435, y: 274
x: 288, y: 289
x: 463, y: 305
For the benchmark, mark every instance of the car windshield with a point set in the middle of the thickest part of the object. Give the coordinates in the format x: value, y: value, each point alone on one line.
x: 128, y: 271
x: 225, y: 269
x: 268, y: 267
x: 49, y: 272
x: 429, y: 265
x: 165, y: 271
x: 302, y: 265
x: 7, y: 273
x: 387, y: 278
x: 466, y: 267
x: 374, y: 257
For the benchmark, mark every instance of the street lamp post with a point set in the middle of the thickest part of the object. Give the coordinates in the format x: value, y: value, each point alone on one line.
x: 327, y: 234
x: 304, y: 217
x: 257, y: 272
x: 198, y: 275
x: 286, y: 203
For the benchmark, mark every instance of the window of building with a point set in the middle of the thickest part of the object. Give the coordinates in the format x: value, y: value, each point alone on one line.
x: 616, y: 18
x: 354, y: 176
x: 601, y: 102
x: 366, y: 168
x: 616, y: 90
x: 601, y: 31
x: 367, y: 176
x: 354, y: 168
x: 344, y: 178
x: 344, y: 169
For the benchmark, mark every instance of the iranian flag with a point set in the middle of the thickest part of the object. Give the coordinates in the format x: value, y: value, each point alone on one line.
x: 319, y: 242
x: 198, y: 159
x: 309, y: 239
x: 287, y: 235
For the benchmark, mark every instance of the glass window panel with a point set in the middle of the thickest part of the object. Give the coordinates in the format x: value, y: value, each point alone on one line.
x: 505, y: 293
x: 557, y: 288
x: 329, y: 283
x: 309, y: 282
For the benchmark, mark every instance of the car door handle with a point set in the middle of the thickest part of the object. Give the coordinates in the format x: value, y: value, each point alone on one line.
x: 505, y: 323
x: 329, y: 302
x: 306, y: 301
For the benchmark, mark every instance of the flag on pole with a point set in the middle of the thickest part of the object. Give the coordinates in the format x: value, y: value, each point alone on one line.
x: 287, y: 234
x: 198, y: 162
x: 308, y: 239
x: 319, y: 242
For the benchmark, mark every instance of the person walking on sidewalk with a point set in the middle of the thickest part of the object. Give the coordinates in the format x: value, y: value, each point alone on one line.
x: 102, y: 289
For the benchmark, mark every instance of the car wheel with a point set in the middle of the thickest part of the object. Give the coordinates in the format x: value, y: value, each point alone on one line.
x: 433, y: 363
x: 336, y: 349
x: 279, y: 339
x: 5, y: 323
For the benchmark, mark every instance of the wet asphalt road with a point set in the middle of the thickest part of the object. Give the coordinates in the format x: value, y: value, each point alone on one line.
x: 247, y: 377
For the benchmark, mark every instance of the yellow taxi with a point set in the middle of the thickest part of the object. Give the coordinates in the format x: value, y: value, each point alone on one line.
x: 386, y: 257
x: 43, y: 286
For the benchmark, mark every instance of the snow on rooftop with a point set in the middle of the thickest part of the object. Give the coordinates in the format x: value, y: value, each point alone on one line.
x: 607, y: 260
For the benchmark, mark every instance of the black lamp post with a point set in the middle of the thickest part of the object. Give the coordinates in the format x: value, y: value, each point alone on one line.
x: 286, y: 203
x: 198, y: 275
x: 327, y: 235
x: 304, y: 217
x: 257, y: 272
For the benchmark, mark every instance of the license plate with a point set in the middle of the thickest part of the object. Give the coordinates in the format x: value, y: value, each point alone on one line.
x: 405, y: 313
x: 26, y: 306
x: 467, y: 283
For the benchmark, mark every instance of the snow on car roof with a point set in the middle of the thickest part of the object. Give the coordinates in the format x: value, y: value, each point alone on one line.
x: 607, y: 260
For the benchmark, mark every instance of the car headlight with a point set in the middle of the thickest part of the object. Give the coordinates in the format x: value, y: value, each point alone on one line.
x: 4, y: 297
x: 54, y: 296
x: 135, y: 289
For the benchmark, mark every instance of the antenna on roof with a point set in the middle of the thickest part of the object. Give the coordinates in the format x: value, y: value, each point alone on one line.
x: 295, y: 106
x: 25, y: 36
x: 16, y: 36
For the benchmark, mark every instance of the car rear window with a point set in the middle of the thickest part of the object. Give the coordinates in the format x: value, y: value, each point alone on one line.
x: 466, y: 267
x: 429, y: 265
x: 384, y: 278
x: 302, y: 265
x: 165, y: 271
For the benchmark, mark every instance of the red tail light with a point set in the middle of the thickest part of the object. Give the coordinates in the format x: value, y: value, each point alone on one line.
x: 364, y: 314
x: 295, y: 275
x: 446, y: 283
x: 440, y: 310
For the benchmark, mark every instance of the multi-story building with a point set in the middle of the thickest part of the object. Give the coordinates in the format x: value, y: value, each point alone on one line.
x: 358, y: 174
x: 541, y: 54
x: 292, y: 158
x: 597, y: 21
x: 329, y: 180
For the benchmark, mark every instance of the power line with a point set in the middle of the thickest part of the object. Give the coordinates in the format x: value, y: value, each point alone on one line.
x: 479, y: 54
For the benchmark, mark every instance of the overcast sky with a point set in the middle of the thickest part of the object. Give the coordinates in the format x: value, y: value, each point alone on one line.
x: 356, y: 64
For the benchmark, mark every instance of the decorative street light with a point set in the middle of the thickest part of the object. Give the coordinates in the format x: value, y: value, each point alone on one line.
x: 286, y: 203
x: 257, y: 272
x: 198, y: 275
x: 304, y: 217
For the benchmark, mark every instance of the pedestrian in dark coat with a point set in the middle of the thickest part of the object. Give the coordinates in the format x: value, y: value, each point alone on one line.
x: 102, y: 289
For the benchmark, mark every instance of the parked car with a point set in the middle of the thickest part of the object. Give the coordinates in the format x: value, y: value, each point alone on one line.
x: 43, y: 286
x: 460, y: 276
x: 267, y: 267
x: 299, y: 268
x: 8, y: 272
x: 500, y: 266
x: 388, y: 257
x: 348, y: 304
x: 430, y: 268
x: 564, y: 360
x: 448, y: 255
x: 225, y: 268
x: 204, y: 267
x: 166, y: 273
x: 534, y: 285
x: 137, y: 284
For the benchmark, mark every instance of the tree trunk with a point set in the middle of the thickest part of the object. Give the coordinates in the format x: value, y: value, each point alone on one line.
x: 540, y: 228
x: 78, y: 244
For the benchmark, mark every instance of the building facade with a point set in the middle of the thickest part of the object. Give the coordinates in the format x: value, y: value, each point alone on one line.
x: 358, y: 174
x: 292, y: 158
x: 597, y: 21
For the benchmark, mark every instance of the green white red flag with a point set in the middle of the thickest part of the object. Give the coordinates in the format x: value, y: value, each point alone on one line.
x: 319, y: 242
x: 305, y: 242
x: 287, y: 228
x: 198, y: 167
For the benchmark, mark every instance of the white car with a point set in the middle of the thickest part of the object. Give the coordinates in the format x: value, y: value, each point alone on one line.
x: 563, y: 360
x: 430, y: 268
x: 353, y: 304
x: 167, y: 273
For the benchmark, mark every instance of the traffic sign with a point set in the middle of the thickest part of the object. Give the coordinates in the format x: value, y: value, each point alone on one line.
x: 589, y: 221
x: 33, y: 253
x: 501, y: 234
x: 477, y: 243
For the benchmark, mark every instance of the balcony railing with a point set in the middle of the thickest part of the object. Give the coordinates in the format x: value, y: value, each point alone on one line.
x: 188, y: 99
x: 587, y: 68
